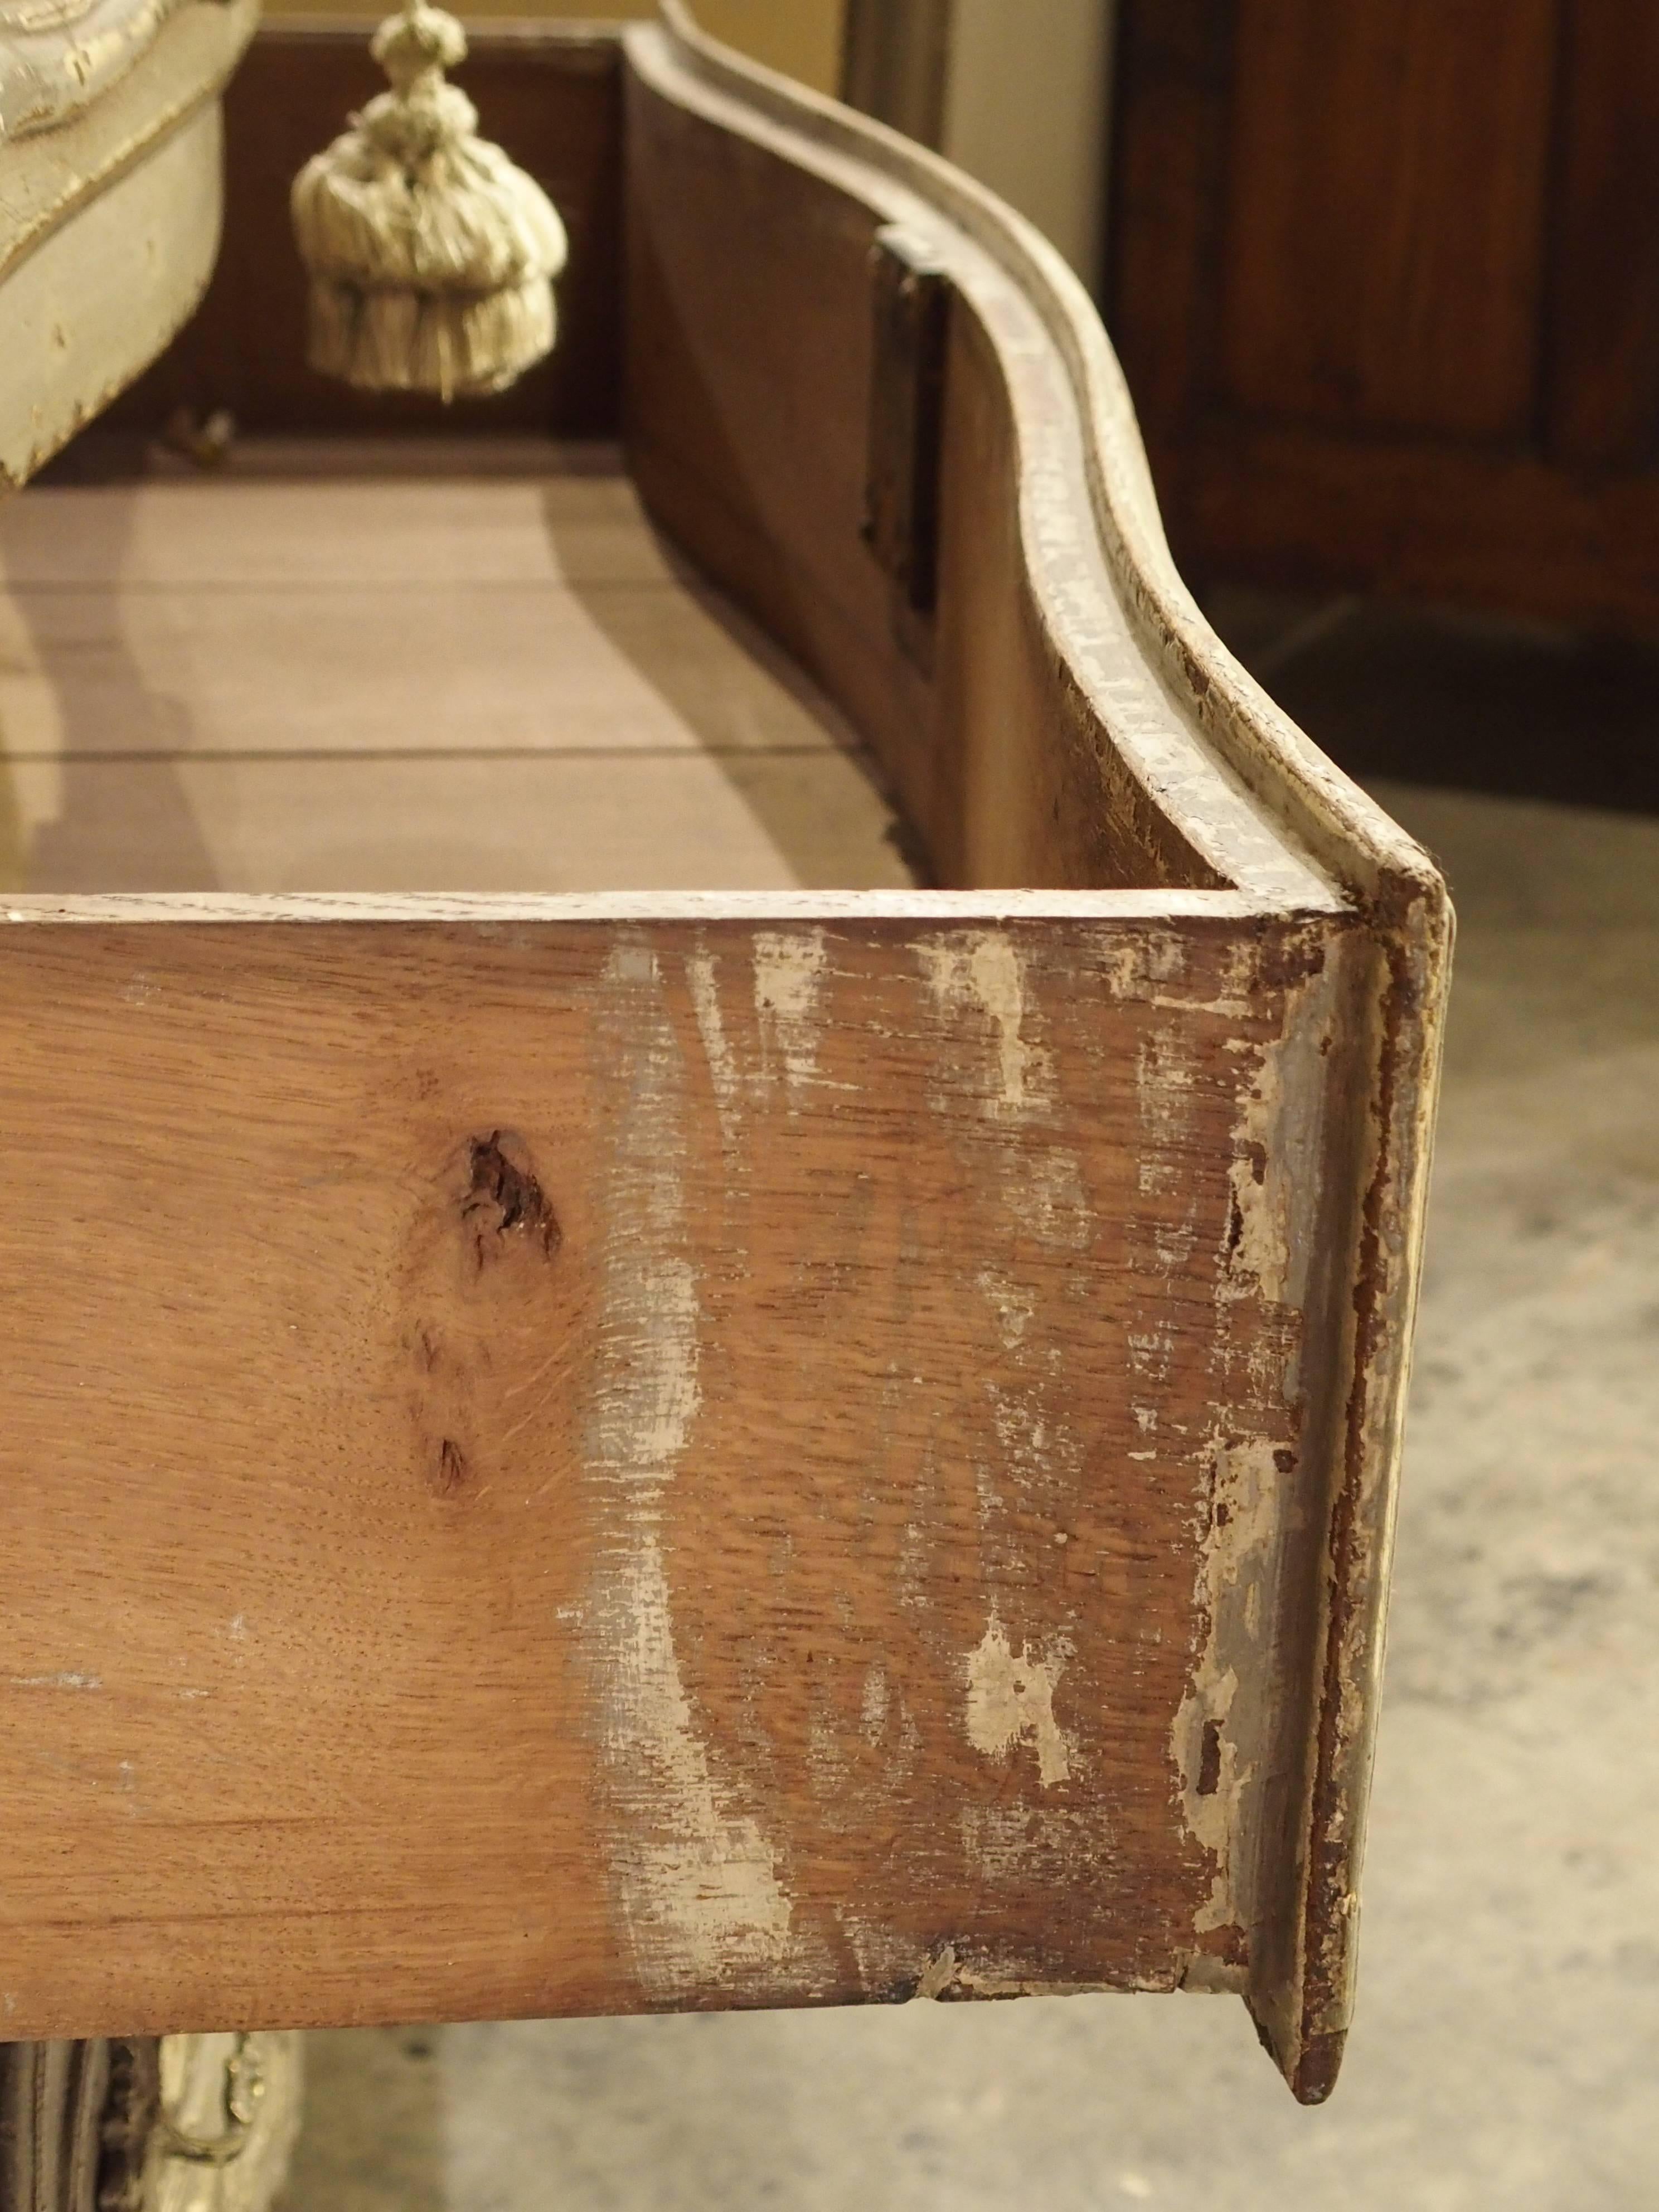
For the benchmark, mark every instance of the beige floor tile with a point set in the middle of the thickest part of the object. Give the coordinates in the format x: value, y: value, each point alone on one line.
x: 528, y: 824
x: 480, y: 671
x: 217, y: 531
x: 415, y: 668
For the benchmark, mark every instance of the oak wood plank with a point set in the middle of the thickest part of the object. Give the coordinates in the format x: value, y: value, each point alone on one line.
x: 593, y: 1466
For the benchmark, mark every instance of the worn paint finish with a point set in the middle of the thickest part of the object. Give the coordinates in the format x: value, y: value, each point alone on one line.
x: 1011, y: 1701
x: 700, y: 1891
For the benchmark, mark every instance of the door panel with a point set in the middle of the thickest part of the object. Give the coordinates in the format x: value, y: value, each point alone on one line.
x: 1385, y: 282
x: 1385, y: 190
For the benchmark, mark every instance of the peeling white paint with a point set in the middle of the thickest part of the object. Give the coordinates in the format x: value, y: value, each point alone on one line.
x: 1220, y: 1739
x: 789, y: 974
x: 704, y: 1899
x: 700, y: 1887
x: 1017, y: 1843
x: 1021, y: 1430
x: 1277, y: 1163
x: 703, y: 977
x: 1245, y: 1512
x: 1011, y: 1700
x: 1164, y: 1087
x: 1151, y: 1353
x: 1012, y: 1303
x: 1045, y: 1191
x: 1135, y: 969
x: 985, y: 971
x: 875, y: 1701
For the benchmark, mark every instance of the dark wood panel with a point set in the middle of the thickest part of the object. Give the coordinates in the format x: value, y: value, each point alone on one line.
x: 552, y: 98
x: 1388, y: 181
x: 1385, y: 282
x: 1604, y: 321
x: 1316, y: 510
x: 1173, y: 77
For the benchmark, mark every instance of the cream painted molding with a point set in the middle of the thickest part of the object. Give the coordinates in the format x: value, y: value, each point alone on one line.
x: 1026, y: 112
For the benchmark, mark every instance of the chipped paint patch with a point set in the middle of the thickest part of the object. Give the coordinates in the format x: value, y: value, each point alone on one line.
x: 702, y: 978
x: 1164, y: 1087
x: 1011, y: 1700
x: 1022, y: 1843
x: 1045, y: 1191
x: 875, y: 1702
x: 1261, y: 1253
x: 1216, y: 1748
x: 704, y: 1900
x: 789, y: 973
x: 700, y: 1888
x: 985, y: 972
x: 1133, y: 968
x: 1012, y: 1303
x: 1278, y: 1164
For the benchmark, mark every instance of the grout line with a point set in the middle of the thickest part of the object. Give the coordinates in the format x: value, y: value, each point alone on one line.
x: 829, y: 749
x: 337, y: 587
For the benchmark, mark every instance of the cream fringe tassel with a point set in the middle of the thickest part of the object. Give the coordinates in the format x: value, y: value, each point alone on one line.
x: 431, y: 257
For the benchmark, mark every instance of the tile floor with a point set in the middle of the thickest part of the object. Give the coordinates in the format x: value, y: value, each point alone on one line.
x: 275, y: 681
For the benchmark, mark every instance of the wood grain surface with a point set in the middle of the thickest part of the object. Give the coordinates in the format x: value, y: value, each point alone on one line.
x: 1422, y: 131
x: 600, y: 1466
x: 1383, y: 283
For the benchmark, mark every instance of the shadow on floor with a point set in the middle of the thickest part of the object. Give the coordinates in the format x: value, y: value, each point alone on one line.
x: 1467, y: 701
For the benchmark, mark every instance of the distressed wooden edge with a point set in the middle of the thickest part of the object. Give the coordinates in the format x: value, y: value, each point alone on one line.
x: 1411, y: 974
x: 127, y: 122
x: 1401, y: 898
x: 1396, y: 892
x: 106, y: 152
x: 1314, y: 804
x: 606, y: 908
x: 1088, y: 627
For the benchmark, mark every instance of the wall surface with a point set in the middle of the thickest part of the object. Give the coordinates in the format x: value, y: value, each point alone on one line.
x: 802, y: 37
x: 1025, y: 112
x: 1025, y: 104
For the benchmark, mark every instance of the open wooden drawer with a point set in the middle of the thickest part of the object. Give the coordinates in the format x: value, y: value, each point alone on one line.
x: 597, y: 1454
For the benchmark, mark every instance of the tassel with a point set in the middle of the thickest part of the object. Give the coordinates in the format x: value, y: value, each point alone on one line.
x: 431, y: 257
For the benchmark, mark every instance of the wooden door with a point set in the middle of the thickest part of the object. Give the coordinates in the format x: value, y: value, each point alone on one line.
x: 1385, y: 282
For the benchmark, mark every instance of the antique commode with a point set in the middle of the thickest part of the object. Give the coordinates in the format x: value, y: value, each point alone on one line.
x: 767, y: 1449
